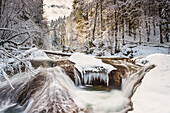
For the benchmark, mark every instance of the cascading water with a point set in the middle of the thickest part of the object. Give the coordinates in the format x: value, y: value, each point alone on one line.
x: 51, y: 90
x: 130, y: 82
x: 77, y: 78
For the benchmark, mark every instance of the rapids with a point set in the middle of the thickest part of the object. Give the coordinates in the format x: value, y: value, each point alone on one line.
x: 52, y: 91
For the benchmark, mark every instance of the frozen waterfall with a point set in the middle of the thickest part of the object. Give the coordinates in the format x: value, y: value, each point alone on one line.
x: 90, y: 69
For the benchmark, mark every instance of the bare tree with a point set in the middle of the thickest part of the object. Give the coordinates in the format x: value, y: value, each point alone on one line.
x: 21, y: 28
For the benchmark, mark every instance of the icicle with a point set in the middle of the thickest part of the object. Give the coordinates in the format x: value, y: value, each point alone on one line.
x: 6, y: 77
x: 91, y: 68
x: 92, y: 76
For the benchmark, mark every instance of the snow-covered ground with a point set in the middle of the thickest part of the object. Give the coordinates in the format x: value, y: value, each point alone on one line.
x: 153, y: 95
x: 143, y: 50
x: 55, y: 8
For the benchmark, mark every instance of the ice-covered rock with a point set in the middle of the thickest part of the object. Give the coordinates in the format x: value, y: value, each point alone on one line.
x: 91, y: 68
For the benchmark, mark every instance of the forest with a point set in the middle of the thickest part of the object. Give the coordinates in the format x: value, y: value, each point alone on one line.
x: 87, y: 56
x: 96, y: 25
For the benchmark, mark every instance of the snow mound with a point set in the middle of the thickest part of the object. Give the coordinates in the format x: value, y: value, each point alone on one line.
x: 38, y: 55
x: 91, y: 68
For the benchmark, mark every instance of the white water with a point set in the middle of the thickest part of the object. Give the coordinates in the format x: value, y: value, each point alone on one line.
x: 59, y: 87
x: 98, y: 102
x: 130, y: 81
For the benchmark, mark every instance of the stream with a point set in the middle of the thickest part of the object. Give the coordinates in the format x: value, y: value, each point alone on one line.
x: 51, y: 90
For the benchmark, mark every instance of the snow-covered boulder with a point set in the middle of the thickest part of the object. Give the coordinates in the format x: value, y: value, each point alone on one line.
x: 91, y: 68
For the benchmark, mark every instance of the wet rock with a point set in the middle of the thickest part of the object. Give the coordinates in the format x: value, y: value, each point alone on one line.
x: 124, y: 68
x: 45, y: 92
x: 68, y: 67
x: 65, y: 64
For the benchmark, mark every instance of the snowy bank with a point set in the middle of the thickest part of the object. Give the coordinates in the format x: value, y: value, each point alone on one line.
x: 153, y: 95
x: 141, y: 50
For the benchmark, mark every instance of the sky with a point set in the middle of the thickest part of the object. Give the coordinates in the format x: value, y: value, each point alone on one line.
x: 55, y: 8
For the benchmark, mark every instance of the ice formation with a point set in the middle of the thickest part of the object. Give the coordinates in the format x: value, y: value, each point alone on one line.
x: 91, y: 68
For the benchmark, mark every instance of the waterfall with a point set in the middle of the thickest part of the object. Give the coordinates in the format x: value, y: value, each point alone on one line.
x: 130, y: 82
x: 51, y: 90
x: 77, y: 78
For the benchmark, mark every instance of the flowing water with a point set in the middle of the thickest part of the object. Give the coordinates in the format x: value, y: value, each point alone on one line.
x: 52, y: 91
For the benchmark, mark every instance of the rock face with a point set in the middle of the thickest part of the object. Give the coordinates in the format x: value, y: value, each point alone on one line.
x: 68, y: 67
x: 124, y: 68
x: 64, y: 64
x: 45, y: 92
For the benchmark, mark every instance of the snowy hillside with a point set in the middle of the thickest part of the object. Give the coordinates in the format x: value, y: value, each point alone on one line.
x: 55, y: 8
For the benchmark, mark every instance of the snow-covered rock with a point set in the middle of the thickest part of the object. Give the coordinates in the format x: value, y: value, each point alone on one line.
x: 38, y: 55
x: 91, y: 68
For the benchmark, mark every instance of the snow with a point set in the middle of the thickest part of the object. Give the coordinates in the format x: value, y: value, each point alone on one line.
x: 57, y: 52
x: 153, y: 95
x: 142, y: 50
x: 91, y: 68
x: 38, y: 55
x: 16, y: 62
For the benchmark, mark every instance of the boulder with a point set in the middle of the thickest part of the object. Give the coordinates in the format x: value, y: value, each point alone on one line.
x: 45, y: 92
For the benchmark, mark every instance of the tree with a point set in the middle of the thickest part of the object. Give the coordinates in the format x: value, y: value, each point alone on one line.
x: 120, y: 21
x: 21, y: 28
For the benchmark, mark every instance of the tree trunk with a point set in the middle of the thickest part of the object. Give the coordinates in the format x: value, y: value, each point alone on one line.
x: 139, y: 35
x: 95, y: 19
x: 160, y: 25
x: 123, y: 33
x: 160, y: 32
x: 154, y: 27
x: 0, y: 8
x: 116, y: 29
x: 129, y: 20
x: 166, y: 33
x: 101, y: 18
x: 149, y: 29
x: 146, y: 27
x: 89, y: 22
x: 134, y: 32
